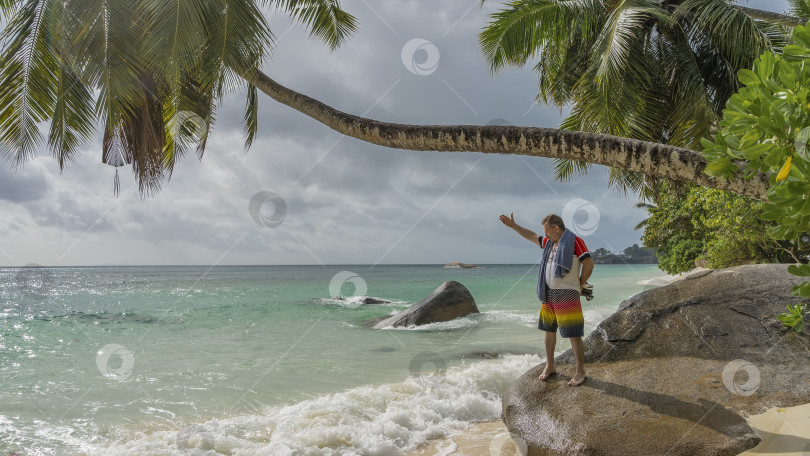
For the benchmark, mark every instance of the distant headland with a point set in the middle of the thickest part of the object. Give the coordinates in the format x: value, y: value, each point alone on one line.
x: 462, y: 265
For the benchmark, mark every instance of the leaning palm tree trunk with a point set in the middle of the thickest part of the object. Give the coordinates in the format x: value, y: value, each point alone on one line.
x: 776, y: 18
x: 650, y: 158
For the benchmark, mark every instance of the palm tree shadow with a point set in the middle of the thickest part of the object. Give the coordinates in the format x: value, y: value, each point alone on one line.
x: 707, y: 413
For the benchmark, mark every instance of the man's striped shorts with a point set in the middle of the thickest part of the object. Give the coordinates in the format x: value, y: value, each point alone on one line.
x: 562, y: 309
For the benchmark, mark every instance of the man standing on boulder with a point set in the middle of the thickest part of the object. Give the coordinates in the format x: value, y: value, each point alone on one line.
x: 565, y: 268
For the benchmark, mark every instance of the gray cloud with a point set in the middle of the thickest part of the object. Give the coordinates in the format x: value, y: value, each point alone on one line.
x: 25, y: 184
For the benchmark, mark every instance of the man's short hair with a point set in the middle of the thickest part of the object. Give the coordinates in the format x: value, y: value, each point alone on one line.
x: 554, y: 220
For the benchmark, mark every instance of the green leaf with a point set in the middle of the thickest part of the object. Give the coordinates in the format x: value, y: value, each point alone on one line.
x: 748, y: 77
x: 796, y: 52
x: 719, y: 167
x: 779, y: 232
x: 802, y: 290
x: 805, y: 210
x: 757, y: 150
x: 801, y: 36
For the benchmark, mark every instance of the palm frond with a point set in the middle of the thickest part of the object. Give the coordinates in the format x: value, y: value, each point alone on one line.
x: 719, y: 20
x: 621, y: 42
x: 151, y: 72
x: 799, y: 8
x: 251, y: 116
x: 521, y: 30
x: 566, y: 170
x: 73, y: 120
x: 7, y: 8
x: 562, y: 64
x: 324, y: 18
x: 241, y: 38
x: 27, y: 78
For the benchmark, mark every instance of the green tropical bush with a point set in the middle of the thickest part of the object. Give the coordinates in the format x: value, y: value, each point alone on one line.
x: 693, y: 225
x: 765, y: 128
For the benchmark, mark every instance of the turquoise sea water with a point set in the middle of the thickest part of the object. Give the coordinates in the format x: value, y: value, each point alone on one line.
x: 249, y: 360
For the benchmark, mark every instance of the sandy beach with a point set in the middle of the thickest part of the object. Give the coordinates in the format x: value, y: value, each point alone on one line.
x: 784, y: 432
x: 481, y: 439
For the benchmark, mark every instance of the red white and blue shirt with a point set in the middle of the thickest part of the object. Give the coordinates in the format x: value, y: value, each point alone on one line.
x: 569, y: 281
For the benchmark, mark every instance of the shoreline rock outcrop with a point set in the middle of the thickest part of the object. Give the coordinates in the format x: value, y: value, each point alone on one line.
x: 674, y: 371
x: 450, y: 300
x: 365, y: 300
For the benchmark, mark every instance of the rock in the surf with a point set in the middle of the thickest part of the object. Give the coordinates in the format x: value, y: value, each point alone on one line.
x: 674, y: 371
x: 366, y: 300
x: 451, y: 300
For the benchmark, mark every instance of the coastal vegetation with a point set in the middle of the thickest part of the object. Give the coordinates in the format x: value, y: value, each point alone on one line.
x: 765, y: 129
x: 692, y: 225
x: 630, y: 255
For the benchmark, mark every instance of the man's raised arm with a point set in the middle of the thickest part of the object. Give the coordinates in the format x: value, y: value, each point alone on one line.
x: 525, y: 232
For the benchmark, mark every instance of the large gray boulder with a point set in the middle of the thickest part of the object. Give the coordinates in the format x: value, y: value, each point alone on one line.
x: 674, y: 371
x: 451, y: 300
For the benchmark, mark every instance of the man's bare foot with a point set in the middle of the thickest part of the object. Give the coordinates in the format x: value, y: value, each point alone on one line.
x: 547, y: 373
x: 578, y: 379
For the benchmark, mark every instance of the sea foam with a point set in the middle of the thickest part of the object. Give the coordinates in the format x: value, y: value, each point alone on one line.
x: 389, y: 419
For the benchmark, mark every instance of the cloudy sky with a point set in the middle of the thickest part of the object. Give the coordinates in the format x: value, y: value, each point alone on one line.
x: 347, y: 202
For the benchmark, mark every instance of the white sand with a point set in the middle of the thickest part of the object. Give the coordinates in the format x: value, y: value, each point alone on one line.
x: 784, y: 432
x: 481, y: 439
x: 669, y: 278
